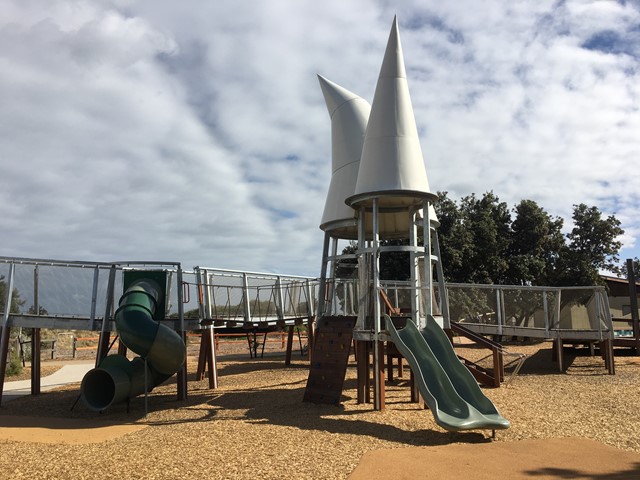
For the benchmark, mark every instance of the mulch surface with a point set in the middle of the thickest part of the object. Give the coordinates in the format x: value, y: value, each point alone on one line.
x: 255, y: 425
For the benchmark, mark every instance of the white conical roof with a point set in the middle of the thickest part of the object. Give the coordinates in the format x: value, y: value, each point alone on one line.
x: 391, y: 167
x: 349, y: 115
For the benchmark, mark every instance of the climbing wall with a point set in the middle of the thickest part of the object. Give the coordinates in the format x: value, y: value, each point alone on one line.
x: 329, y: 359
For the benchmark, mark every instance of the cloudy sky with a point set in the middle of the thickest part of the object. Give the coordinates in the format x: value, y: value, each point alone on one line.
x: 196, y: 131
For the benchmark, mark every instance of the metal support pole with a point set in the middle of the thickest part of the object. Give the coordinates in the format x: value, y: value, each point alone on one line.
x: 377, y: 353
x: 246, y: 301
x: 94, y: 294
x: 168, y: 293
x: 545, y: 306
x: 363, y: 274
x: 4, y: 328
x: 103, y: 344
x: 182, y: 373
x: 310, y: 306
x: 280, y: 297
x: 36, y: 281
x: 442, y: 288
x: 35, y: 340
x: 428, y: 270
x: 332, y: 293
x: 209, y: 295
x: 415, y: 271
x: 323, y: 277
x: 499, y: 311
x: 201, y: 293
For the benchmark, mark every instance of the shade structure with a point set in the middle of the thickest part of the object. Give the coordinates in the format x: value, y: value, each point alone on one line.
x: 349, y: 115
x: 391, y: 166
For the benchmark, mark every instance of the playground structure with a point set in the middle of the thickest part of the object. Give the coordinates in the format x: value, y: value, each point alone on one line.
x: 379, y: 190
x: 75, y: 295
x: 388, y: 198
x: 162, y: 350
x: 259, y: 303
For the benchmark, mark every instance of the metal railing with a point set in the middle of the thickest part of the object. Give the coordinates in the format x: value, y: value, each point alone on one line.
x: 232, y: 296
x: 544, y: 312
x: 73, y: 295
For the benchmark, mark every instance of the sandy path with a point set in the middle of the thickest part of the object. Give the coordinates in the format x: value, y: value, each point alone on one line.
x: 69, y: 431
x: 553, y: 458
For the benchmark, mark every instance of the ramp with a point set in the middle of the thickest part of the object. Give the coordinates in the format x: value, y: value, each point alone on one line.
x: 450, y: 391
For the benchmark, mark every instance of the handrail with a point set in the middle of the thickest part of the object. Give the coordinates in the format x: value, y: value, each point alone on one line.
x: 497, y: 351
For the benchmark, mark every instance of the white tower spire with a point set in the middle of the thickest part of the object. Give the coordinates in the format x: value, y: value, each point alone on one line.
x: 349, y: 115
x: 391, y: 167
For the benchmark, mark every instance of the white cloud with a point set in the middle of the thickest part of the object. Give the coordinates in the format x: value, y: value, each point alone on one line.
x: 196, y: 131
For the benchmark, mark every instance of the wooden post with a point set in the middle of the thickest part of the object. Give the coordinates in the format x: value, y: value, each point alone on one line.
x: 633, y: 297
x: 379, y: 371
x: 559, y: 353
x: 498, y: 368
x: 4, y: 353
x: 310, y: 335
x: 5, y: 330
x: 362, y: 355
x: 415, y: 396
x: 287, y: 357
x: 207, y: 358
x: 202, y: 354
x: 35, y: 361
x: 211, y: 358
x: 181, y: 375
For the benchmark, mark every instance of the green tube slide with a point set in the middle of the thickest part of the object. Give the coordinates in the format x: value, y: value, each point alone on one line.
x: 161, y: 350
x: 448, y: 388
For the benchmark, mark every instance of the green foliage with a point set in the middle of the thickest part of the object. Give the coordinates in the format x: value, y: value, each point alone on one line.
x: 624, y: 272
x: 16, y: 301
x: 41, y: 310
x: 480, y: 243
x: 536, y: 242
x: 393, y: 265
x: 593, y: 246
x: 473, y: 303
x: 14, y: 367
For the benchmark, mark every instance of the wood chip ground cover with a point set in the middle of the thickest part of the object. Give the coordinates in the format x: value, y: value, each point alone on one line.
x: 256, y: 426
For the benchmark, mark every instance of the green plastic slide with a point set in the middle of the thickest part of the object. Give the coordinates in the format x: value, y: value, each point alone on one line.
x: 448, y: 388
x: 162, y: 351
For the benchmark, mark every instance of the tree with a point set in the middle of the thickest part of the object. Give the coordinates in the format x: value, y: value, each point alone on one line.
x: 536, y: 242
x: 480, y: 242
x: 474, y: 238
x: 624, y: 272
x: 489, y: 221
x: 592, y: 247
x: 16, y: 301
x: 456, y: 242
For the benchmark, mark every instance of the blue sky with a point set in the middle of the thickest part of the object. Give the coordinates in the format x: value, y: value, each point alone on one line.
x: 197, y: 132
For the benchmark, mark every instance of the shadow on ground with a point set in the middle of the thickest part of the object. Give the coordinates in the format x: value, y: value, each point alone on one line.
x: 277, y: 403
x: 571, y: 473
